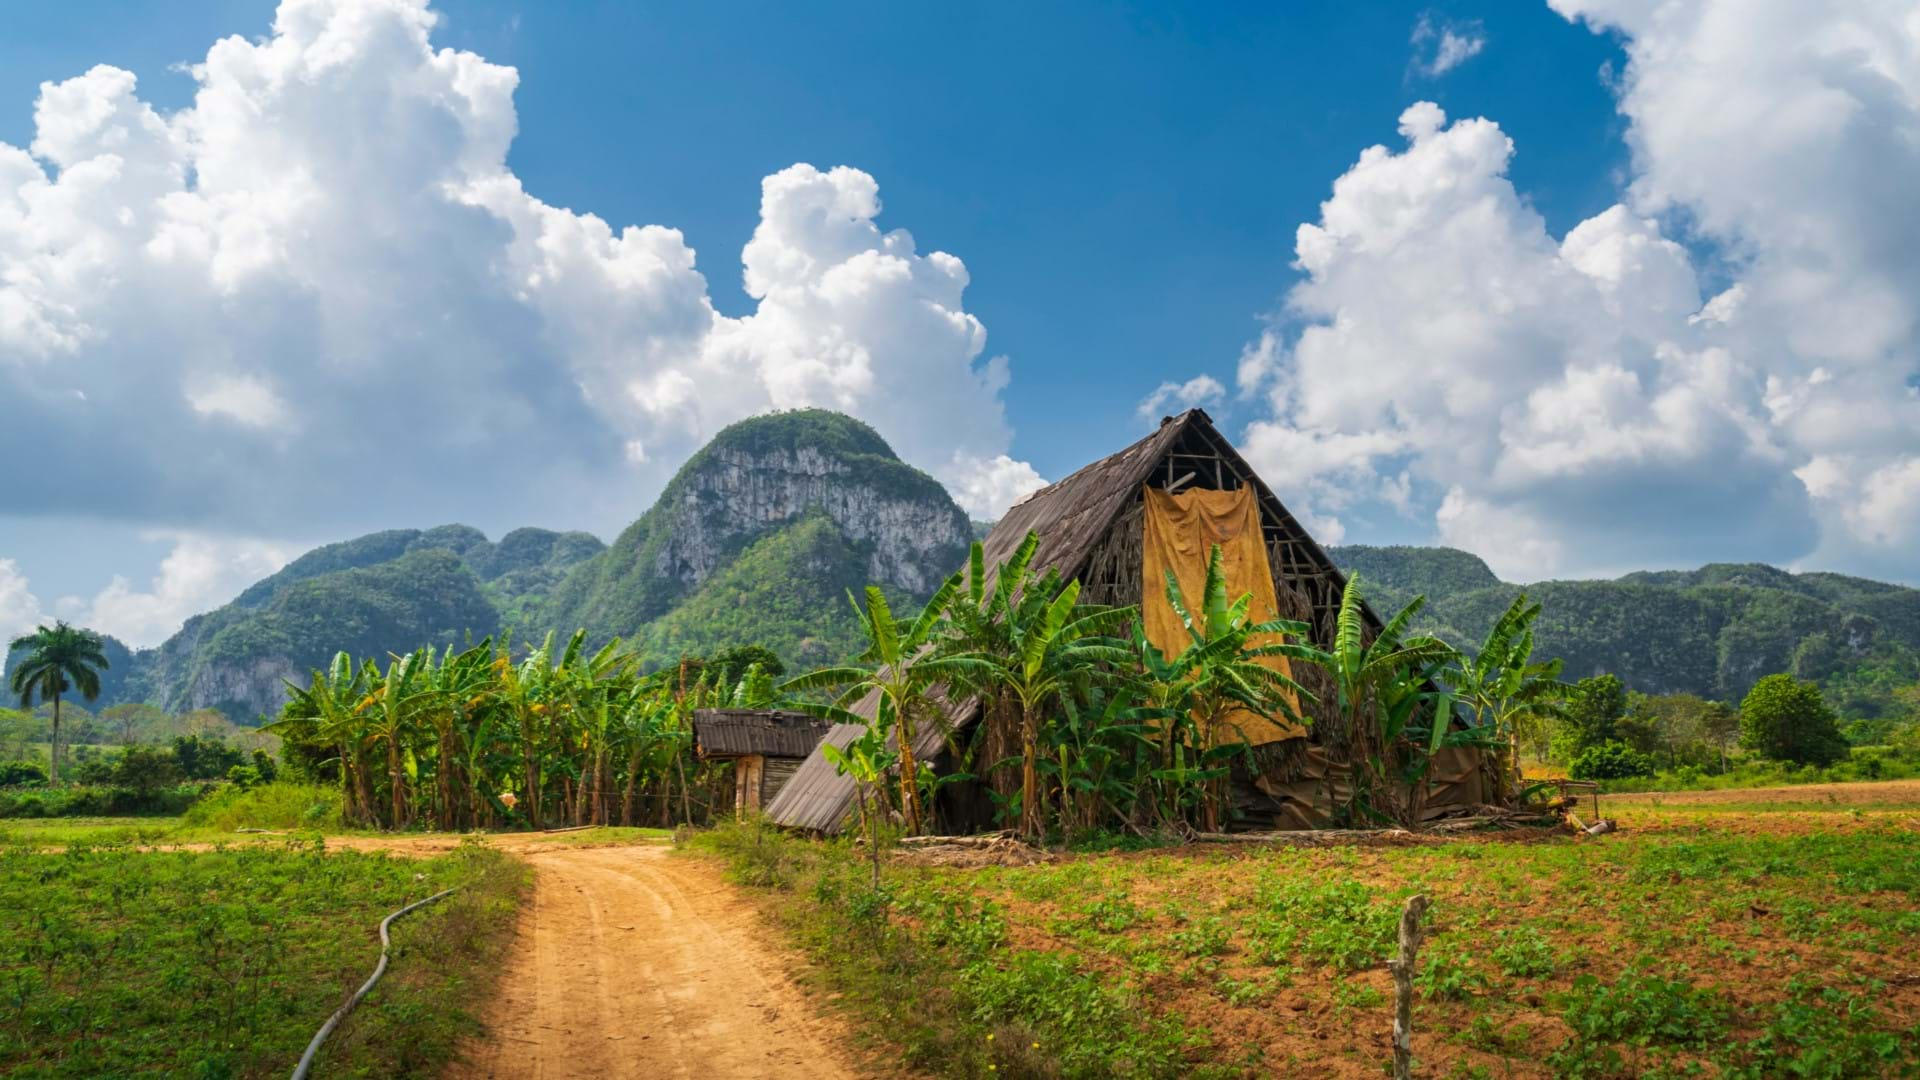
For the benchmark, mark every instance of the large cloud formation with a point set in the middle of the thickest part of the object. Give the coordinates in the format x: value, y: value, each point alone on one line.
x: 317, y: 300
x: 1582, y: 405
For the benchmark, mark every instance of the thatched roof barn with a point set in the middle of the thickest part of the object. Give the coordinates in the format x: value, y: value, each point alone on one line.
x: 765, y: 745
x: 1090, y: 527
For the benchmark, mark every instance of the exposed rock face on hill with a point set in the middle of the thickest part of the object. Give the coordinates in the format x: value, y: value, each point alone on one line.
x: 910, y: 537
x: 894, y: 526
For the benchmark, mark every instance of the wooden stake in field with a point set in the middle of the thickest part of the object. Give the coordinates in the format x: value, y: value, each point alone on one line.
x: 1402, y: 967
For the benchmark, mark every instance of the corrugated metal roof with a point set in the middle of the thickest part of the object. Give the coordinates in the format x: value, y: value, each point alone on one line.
x: 1070, y: 517
x: 772, y: 732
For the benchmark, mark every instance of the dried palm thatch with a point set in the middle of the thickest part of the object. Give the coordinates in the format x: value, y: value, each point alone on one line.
x: 1090, y: 529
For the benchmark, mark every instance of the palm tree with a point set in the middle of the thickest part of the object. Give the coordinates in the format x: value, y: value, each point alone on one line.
x: 900, y: 669
x: 59, y: 658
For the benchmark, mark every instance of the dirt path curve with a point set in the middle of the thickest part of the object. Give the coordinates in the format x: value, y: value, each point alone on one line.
x: 631, y: 962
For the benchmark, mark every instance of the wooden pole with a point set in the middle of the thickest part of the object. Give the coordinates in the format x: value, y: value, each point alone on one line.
x: 1402, y: 967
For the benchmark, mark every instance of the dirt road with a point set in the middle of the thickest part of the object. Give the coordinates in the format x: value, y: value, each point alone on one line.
x: 631, y: 962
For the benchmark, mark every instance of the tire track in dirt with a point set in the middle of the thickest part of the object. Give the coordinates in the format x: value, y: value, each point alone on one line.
x: 633, y: 963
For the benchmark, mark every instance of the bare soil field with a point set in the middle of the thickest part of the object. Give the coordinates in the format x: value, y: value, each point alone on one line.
x: 1879, y: 794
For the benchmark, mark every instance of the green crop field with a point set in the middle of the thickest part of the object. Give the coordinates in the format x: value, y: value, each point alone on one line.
x: 116, y: 961
x: 1699, y: 940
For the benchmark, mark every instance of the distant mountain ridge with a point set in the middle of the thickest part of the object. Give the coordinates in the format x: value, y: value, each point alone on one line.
x: 1713, y: 631
x: 761, y: 533
x: 757, y: 538
x: 392, y: 590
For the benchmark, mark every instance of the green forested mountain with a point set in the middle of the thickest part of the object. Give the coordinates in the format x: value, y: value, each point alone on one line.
x: 392, y: 590
x: 786, y: 591
x: 758, y: 537
x: 756, y: 540
x: 1714, y: 631
x: 753, y: 481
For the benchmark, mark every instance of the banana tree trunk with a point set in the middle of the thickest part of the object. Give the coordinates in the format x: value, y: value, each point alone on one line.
x: 396, y: 777
x: 909, y: 771
x: 626, y: 797
x: 531, y: 757
x: 1029, y: 774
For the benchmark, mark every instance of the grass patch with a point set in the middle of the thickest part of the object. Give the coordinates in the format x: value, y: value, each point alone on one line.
x: 59, y: 832
x: 929, y: 969
x: 117, y: 962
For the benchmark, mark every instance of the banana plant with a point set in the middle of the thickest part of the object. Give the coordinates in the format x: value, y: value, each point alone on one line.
x: 1099, y: 752
x: 1381, y: 682
x: 1505, y: 689
x: 392, y: 707
x: 898, y: 669
x: 1047, y: 646
x: 325, y: 713
x: 1196, y: 692
x: 866, y: 760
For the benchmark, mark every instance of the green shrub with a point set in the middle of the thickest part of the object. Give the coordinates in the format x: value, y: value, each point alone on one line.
x: 1339, y: 922
x: 1610, y: 761
x: 1825, y: 1034
x: 268, y: 806
x: 21, y: 773
x: 1523, y: 953
x: 1092, y: 1029
x: 97, y: 801
x: 1787, y: 720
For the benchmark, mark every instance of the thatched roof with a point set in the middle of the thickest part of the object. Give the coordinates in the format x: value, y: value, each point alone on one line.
x: 1070, y: 518
x: 770, y: 732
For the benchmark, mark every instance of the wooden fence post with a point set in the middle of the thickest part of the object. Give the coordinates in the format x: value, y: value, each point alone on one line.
x: 1402, y: 968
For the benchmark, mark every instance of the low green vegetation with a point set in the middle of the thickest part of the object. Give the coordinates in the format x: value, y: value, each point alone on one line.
x: 119, y: 962
x: 281, y: 806
x: 933, y: 967
x: 1695, y: 945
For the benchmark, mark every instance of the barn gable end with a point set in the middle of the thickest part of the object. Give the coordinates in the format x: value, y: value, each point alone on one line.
x: 1089, y: 528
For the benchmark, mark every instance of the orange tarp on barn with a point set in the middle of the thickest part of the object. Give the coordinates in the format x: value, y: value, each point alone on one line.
x: 1178, y: 533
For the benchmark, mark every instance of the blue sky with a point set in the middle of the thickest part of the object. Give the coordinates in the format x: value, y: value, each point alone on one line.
x: 1123, y: 181
x: 1584, y: 391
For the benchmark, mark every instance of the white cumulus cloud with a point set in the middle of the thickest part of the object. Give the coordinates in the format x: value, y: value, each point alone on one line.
x: 1197, y: 391
x: 197, y: 573
x: 1440, y: 45
x: 20, y: 609
x: 317, y: 300
x: 1576, y: 404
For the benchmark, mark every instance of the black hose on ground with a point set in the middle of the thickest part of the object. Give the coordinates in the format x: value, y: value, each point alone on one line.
x: 306, y: 1060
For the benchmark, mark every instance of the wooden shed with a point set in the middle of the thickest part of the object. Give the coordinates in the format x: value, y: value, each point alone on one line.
x: 1090, y: 527
x: 766, y: 747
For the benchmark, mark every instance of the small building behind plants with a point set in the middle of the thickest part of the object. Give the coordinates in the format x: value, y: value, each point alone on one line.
x: 766, y: 747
